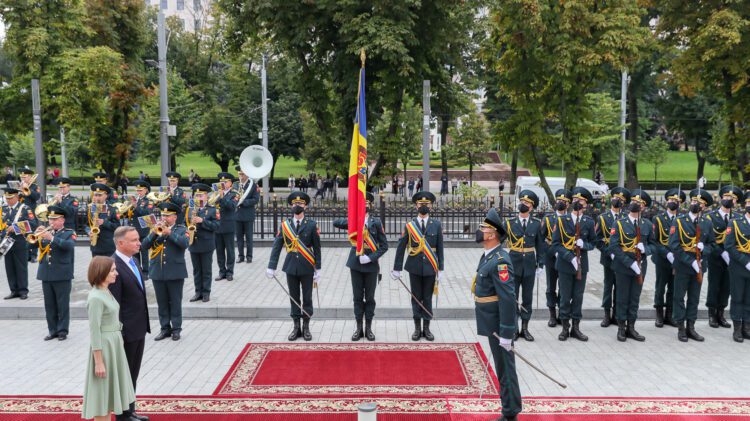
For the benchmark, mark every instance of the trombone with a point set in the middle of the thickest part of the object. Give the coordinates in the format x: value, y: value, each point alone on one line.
x: 36, y: 235
x: 26, y: 187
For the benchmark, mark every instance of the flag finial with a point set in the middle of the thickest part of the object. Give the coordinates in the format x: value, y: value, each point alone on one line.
x: 362, y: 56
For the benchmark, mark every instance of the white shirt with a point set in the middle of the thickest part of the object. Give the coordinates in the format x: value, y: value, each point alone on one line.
x: 722, y: 213
x: 127, y: 260
x: 692, y: 216
x: 523, y: 220
x: 487, y: 252
x: 420, y: 219
x: 615, y: 214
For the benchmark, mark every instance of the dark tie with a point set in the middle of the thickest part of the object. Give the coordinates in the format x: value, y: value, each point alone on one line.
x: 523, y: 224
x: 423, y: 227
x: 726, y: 220
x: 297, y: 229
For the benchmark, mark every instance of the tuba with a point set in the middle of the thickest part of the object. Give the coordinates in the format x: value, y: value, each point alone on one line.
x: 256, y: 162
x: 41, y: 211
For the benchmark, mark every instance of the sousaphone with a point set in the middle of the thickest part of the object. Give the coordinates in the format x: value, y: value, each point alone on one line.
x: 256, y: 162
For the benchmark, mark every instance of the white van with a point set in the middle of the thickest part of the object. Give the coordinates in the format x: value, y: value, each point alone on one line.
x: 556, y: 183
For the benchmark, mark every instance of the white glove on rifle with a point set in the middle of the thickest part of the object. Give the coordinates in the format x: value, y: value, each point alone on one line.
x: 700, y: 246
x: 725, y: 256
x: 695, y: 267
x: 670, y: 257
x: 270, y: 273
x: 641, y: 247
x: 316, y: 277
x: 579, y: 243
x: 612, y: 256
x: 364, y: 259
x: 395, y: 274
x: 635, y: 268
x: 506, y: 344
x: 747, y: 266
x: 539, y: 271
x: 574, y: 262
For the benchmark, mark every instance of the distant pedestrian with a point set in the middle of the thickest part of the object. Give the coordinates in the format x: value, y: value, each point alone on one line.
x: 411, y: 186
x: 419, y: 184
x: 141, y: 176
x: 501, y: 185
x: 701, y: 182
x: 147, y: 179
x: 444, y: 184
x: 290, y: 182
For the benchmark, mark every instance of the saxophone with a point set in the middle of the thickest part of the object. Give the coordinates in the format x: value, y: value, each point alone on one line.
x: 94, y: 230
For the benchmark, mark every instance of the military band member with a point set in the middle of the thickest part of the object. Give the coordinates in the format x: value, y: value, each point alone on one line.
x: 423, y: 237
x: 103, y: 243
x: 495, y: 308
x: 526, y: 244
x: 29, y: 195
x: 549, y: 222
x: 301, y: 238
x: 575, y: 235
x: 684, y: 242
x: 167, y: 243
x: 143, y: 207
x: 17, y: 258
x: 56, y: 250
x: 249, y: 196
x: 737, y: 244
x: 717, y: 298
x: 176, y: 195
x: 204, y: 243
x: 67, y: 201
x: 620, y: 197
x: 663, y: 257
x: 631, y: 241
x: 365, y: 269
x: 226, y: 206
x: 101, y: 178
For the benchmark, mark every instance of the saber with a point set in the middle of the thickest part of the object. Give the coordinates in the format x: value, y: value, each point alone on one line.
x: 317, y: 293
x: 290, y: 297
x: 539, y: 370
x: 414, y: 297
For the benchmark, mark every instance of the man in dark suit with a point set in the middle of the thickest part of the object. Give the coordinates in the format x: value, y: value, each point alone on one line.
x: 129, y: 289
x: 249, y: 196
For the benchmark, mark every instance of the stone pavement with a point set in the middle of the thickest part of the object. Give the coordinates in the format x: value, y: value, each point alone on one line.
x: 252, y: 296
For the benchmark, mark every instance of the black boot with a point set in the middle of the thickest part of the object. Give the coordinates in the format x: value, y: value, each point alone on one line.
x: 681, y: 333
x: 426, y: 331
x: 607, y: 320
x: 417, y: 330
x: 525, y: 331
x: 358, y: 333
x: 621, y: 335
x: 720, y: 318
x: 632, y: 333
x: 659, y: 317
x: 552, y: 317
x: 306, y: 335
x: 668, y: 320
x: 746, y: 330
x: 737, y: 335
x: 296, y: 331
x: 368, y: 330
x: 575, y: 332
x: 691, y: 333
x: 563, y: 336
x: 712, y: 320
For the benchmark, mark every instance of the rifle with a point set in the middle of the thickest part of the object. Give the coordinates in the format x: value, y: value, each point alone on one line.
x: 639, y: 278
x: 699, y: 276
x: 579, y: 271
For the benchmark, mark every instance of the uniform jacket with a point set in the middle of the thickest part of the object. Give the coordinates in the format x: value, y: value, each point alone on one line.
x: 70, y: 204
x: 170, y: 264
x: 57, y: 264
x: 565, y: 227
x: 105, y: 243
x: 246, y: 209
x: 680, y: 235
x: 227, y: 206
x: 662, y: 225
x: 719, y: 230
x: 204, y: 241
x: 622, y: 243
x: 494, y: 278
x: 143, y: 207
x: 736, y: 240
x: 24, y: 213
x: 294, y: 263
x: 377, y: 234
x: 132, y: 299
x: 419, y: 265
x: 525, y: 263
x: 179, y: 198
x: 604, y: 224
x: 32, y: 199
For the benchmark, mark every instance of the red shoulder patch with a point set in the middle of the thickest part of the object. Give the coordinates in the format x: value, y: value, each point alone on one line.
x: 729, y: 230
x: 75, y: 203
x: 672, y: 230
x: 612, y: 231
x: 502, y: 271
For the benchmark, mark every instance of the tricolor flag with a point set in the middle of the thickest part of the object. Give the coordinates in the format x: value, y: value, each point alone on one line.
x: 147, y: 221
x: 358, y: 168
x: 21, y: 227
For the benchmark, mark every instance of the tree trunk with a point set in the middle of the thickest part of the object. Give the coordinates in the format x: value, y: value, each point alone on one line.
x: 631, y: 167
x: 471, y: 173
x: 270, y: 178
x: 542, y: 178
x: 513, y: 171
x: 445, y: 123
x: 701, y: 163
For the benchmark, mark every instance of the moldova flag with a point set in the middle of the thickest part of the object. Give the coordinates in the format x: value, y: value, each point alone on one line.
x: 358, y: 168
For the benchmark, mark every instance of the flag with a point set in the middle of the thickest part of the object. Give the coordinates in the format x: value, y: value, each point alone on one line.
x: 147, y: 221
x: 21, y: 227
x: 358, y: 168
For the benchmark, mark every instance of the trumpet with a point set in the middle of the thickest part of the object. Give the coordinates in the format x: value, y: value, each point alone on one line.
x: 26, y: 187
x: 36, y: 235
x: 55, y: 200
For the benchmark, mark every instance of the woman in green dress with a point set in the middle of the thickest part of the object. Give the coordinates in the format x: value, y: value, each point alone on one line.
x: 108, y: 384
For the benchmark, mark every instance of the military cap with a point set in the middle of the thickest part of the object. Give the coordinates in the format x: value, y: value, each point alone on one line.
x: 702, y: 196
x: 370, y: 197
x: 10, y: 192
x: 620, y: 192
x: 582, y: 193
x: 675, y: 193
x: 225, y: 176
x: 747, y: 197
x: 641, y: 196
x: 99, y: 175
x: 143, y: 184
x: 564, y: 194
x: 200, y: 188
x: 529, y: 196
x: 493, y: 220
x: 423, y: 197
x: 168, y: 208
x: 730, y: 190
x: 298, y: 197
x: 56, y: 212
x: 27, y: 171
x: 172, y: 175
x: 100, y: 188
x: 63, y: 181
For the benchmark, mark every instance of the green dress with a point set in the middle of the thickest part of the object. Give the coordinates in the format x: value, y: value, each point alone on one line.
x: 114, y: 392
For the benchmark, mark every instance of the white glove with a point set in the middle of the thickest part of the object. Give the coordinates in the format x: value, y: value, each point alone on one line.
x: 641, y: 247
x: 440, y: 277
x: 695, y: 267
x: 670, y: 257
x: 579, y: 242
x: 506, y: 344
x: 270, y: 273
x: 539, y: 271
x: 635, y: 268
x: 612, y: 256
x: 747, y: 266
x: 555, y: 255
x: 700, y: 246
x: 395, y: 274
x: 316, y: 277
x: 575, y: 264
x: 364, y: 259
x: 725, y: 256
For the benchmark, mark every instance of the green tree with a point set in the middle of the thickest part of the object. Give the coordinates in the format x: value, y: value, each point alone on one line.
x: 470, y: 142
x: 654, y: 151
x: 402, y: 145
x: 22, y: 151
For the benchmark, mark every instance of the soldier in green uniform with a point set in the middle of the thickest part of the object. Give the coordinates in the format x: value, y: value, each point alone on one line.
x: 549, y: 223
x: 203, y: 245
x: 619, y: 198
x: 495, y: 308
x: 717, y: 298
x: 167, y: 269
x: 737, y: 244
x: 684, y: 244
x: 67, y: 201
x: 177, y: 195
x: 17, y: 258
x: 142, y: 208
x: 423, y: 236
x: 663, y: 257
x: 631, y: 241
x: 575, y: 235
x: 224, y: 235
x: 105, y: 218
x: 249, y: 196
x: 365, y: 269
x: 29, y: 198
x: 56, y: 249
x: 301, y: 238
x: 101, y: 178
x: 526, y: 244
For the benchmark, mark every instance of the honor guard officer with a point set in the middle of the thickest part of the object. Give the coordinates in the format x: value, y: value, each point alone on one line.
x: 737, y: 244
x: 203, y: 242
x: 167, y: 243
x: 423, y: 237
x: 526, y: 243
x: 245, y: 216
x: 717, y: 298
x: 686, y: 245
x: 67, y: 201
x: 549, y: 222
x: 17, y: 258
x: 619, y: 198
x: 176, y: 195
x: 631, y: 241
x: 101, y: 178
x: 495, y: 307
x: 29, y: 195
x: 143, y: 208
x: 574, y: 237
x: 365, y: 269
x: 226, y: 206
x: 56, y: 249
x: 301, y: 238
x: 663, y: 258
x: 102, y: 217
